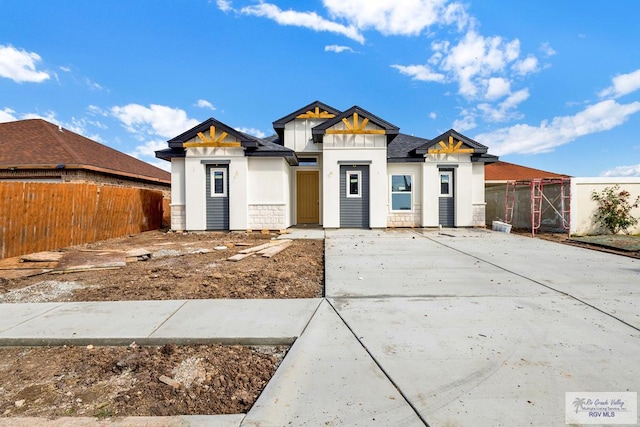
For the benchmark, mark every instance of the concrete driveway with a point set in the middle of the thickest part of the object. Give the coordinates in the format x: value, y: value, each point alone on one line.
x: 459, y: 328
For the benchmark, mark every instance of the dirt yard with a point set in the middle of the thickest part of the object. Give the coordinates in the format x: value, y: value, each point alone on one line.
x: 181, y: 266
x: 126, y: 381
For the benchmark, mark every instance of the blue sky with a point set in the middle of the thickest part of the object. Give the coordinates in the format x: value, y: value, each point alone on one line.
x: 553, y: 85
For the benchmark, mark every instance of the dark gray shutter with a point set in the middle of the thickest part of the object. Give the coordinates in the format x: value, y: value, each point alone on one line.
x: 217, y: 207
x: 446, y: 205
x: 354, y: 211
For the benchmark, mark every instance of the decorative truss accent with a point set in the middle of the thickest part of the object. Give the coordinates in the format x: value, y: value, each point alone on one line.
x: 212, y: 141
x: 451, y: 148
x: 316, y: 114
x: 356, y: 128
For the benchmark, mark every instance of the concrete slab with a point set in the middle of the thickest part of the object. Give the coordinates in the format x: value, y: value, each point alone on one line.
x: 406, y: 264
x: 606, y: 281
x: 303, y: 233
x: 257, y: 321
x: 12, y: 315
x: 494, y: 361
x: 232, y: 420
x: 327, y: 378
x: 113, y: 322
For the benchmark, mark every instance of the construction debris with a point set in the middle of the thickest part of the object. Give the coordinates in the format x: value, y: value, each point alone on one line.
x: 267, y: 250
x: 46, y: 256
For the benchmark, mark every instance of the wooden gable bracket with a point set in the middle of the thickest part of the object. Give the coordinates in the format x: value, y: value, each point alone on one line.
x: 316, y: 114
x: 451, y: 148
x: 356, y: 128
x: 211, y: 141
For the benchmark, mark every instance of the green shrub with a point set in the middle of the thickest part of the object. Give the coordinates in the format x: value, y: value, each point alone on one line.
x: 614, y: 209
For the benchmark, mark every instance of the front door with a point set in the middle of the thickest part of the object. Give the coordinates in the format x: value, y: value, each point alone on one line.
x: 308, y: 197
x: 217, y: 205
x: 446, y: 201
x: 354, y: 196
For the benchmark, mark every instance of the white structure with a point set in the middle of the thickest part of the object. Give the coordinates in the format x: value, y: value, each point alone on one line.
x: 583, y: 208
x: 324, y: 166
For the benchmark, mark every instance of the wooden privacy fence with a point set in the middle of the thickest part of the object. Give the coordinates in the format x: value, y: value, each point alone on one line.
x: 44, y: 216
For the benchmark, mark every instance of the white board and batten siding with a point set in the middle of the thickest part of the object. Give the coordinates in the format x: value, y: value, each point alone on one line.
x: 298, y: 137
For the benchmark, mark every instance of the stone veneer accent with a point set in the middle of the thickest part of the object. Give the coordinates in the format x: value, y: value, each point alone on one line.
x: 178, y: 218
x: 267, y: 217
x: 405, y: 219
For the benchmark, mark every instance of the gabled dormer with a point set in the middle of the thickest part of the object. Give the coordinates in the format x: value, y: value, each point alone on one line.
x: 294, y: 130
x: 454, y: 143
x: 212, y: 134
x: 354, y: 124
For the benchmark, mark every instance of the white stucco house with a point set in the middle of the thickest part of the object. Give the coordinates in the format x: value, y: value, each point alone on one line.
x: 336, y: 169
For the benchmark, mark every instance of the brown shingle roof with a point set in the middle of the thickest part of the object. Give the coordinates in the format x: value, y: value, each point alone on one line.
x: 504, y: 171
x: 36, y: 143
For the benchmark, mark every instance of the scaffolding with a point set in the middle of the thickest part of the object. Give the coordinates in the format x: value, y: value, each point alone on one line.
x: 560, y: 204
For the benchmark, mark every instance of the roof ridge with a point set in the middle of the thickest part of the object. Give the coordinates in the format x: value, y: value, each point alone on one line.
x: 61, y: 141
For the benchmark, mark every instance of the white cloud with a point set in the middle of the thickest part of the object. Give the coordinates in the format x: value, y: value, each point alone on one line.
x: 309, y: 20
x: 420, y: 72
x: 526, y: 66
x: 467, y: 122
x: 20, y: 65
x: 474, y: 57
x: 622, y: 85
x: 504, y: 110
x: 158, y: 120
x: 546, y: 49
x: 632, y: 170
x: 527, y: 139
x: 407, y: 17
x: 7, y: 115
x: 49, y: 116
x: 94, y: 110
x: 497, y: 87
x: 433, y: 115
x: 252, y: 131
x: 337, y: 49
x: 224, y: 5
x: 203, y: 103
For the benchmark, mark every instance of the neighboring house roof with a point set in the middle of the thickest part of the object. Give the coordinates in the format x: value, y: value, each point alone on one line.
x: 504, y: 171
x: 38, y: 144
x: 280, y: 124
x: 390, y: 130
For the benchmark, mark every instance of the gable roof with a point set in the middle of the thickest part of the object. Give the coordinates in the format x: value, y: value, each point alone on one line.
x: 246, y: 140
x: 253, y: 146
x: 279, y: 124
x: 477, y: 147
x: 320, y: 130
x: 38, y: 144
x: 504, y: 171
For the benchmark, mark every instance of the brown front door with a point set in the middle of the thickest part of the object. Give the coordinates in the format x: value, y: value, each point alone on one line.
x: 308, y: 197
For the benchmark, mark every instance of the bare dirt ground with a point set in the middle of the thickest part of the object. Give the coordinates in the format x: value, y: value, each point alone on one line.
x: 182, y: 266
x: 125, y: 381
x: 119, y: 381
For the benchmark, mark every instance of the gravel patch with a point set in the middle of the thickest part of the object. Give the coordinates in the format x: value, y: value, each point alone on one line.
x: 50, y: 290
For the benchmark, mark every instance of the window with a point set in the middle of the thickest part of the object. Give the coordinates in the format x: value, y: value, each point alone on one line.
x: 446, y: 184
x: 354, y: 184
x: 218, y: 182
x: 401, y: 193
x: 307, y: 161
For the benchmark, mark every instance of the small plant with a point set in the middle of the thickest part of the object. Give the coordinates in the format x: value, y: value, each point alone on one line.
x: 614, y: 209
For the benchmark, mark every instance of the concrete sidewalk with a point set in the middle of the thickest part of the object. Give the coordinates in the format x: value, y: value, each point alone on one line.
x: 465, y: 327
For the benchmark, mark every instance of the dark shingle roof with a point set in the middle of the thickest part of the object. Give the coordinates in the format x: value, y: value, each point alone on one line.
x: 402, y: 148
x: 36, y: 143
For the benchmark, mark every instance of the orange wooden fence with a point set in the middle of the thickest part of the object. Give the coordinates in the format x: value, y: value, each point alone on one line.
x: 44, y: 216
